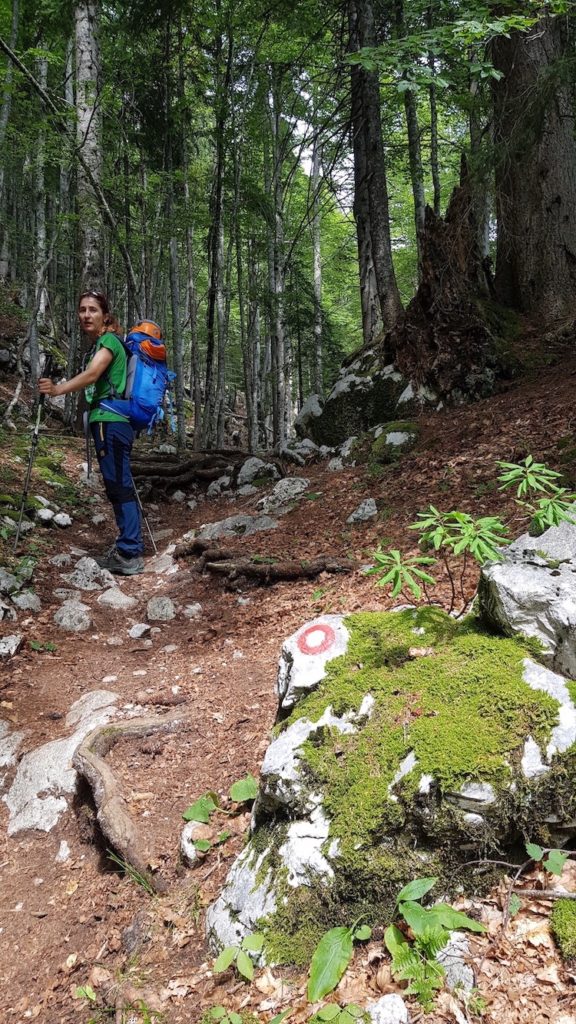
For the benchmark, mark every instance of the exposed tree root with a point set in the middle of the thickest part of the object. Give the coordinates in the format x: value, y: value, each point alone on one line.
x: 113, y: 817
x: 266, y: 572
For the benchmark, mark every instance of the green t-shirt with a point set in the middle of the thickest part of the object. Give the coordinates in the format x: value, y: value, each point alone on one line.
x: 115, y: 375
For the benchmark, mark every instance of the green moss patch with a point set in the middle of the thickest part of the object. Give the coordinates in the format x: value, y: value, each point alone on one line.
x: 462, y: 708
x: 563, y: 925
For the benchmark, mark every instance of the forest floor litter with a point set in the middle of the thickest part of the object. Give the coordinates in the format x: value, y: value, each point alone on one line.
x: 71, y: 918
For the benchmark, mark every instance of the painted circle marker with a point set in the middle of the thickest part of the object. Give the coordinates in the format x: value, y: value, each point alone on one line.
x: 316, y: 639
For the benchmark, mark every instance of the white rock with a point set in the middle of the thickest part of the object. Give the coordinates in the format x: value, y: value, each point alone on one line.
x: 62, y: 519
x: 179, y: 497
x: 366, y: 510
x: 160, y: 609
x: 44, y: 515
x: 305, y: 654
x: 301, y: 851
x: 63, y: 853
x: 218, y: 486
x: 27, y: 601
x: 73, y: 616
x: 192, y: 611
x: 237, y: 526
x: 453, y: 958
x: 45, y: 777
x: 9, y: 583
x: 115, y: 598
x: 88, y: 575
x: 242, y: 903
x: 9, y: 645
x: 283, y: 495
x: 335, y: 464
x: 139, y: 630
x: 390, y: 1009
x: 255, y: 468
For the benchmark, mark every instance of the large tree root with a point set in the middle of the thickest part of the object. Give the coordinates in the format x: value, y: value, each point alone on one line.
x: 274, y: 572
x: 113, y: 817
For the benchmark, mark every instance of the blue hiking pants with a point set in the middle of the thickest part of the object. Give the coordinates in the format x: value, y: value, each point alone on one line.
x: 113, y: 442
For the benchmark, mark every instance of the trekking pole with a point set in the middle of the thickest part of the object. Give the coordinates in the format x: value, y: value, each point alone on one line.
x: 33, y: 447
x: 137, y: 496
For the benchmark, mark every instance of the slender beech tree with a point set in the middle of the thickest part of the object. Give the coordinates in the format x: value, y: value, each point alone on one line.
x: 89, y: 141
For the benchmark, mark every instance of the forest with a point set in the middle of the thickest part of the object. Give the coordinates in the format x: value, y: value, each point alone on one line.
x: 305, y: 746
x: 272, y: 183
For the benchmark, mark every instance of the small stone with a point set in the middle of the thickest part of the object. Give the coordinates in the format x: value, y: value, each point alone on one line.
x: 390, y: 1009
x: 61, y: 560
x: 73, y: 616
x: 9, y: 584
x: 139, y: 630
x: 192, y: 504
x: 63, y: 853
x: 99, y: 518
x: 192, y: 611
x: 192, y: 831
x: 169, y: 649
x: 114, y: 598
x: 243, y: 601
x: 45, y: 515
x: 62, y: 519
x: 9, y: 645
x: 366, y: 510
x: 178, y: 497
x: 160, y: 609
x: 115, y: 641
x: 140, y: 672
x: 27, y: 601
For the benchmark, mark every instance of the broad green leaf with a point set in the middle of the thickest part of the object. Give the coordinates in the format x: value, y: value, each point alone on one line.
x: 235, y: 1018
x: 416, y: 916
x: 244, y: 789
x: 362, y: 934
x: 331, y: 958
x: 245, y: 965
x: 201, y: 809
x: 555, y: 862
x: 394, y: 941
x: 355, y: 1011
x: 202, y: 845
x: 446, y: 916
x: 417, y: 889
x: 217, y: 1012
x: 253, y: 943
x: 225, y: 958
x: 223, y: 836
x: 534, y: 851
x: 329, y: 1012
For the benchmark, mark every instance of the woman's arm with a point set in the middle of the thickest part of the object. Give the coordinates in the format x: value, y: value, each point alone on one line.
x: 97, y: 366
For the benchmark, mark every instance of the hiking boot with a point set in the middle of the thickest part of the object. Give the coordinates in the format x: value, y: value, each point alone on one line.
x: 120, y: 564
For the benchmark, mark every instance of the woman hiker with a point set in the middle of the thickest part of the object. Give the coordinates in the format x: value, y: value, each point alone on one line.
x: 112, y: 434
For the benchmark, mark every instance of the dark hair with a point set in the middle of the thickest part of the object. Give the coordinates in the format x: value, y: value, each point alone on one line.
x: 110, y: 321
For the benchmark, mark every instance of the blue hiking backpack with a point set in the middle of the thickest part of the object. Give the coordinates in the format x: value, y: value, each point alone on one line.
x: 148, y: 379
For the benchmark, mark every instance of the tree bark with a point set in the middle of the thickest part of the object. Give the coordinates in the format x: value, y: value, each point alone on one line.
x: 535, y: 172
x: 366, y: 122
x: 89, y: 142
x: 317, y: 382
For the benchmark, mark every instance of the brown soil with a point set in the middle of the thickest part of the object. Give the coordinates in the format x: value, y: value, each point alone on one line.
x: 84, y: 922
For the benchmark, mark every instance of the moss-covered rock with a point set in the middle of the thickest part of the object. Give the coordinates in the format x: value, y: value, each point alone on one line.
x: 392, y: 440
x: 563, y: 925
x: 426, y: 742
x: 360, y: 399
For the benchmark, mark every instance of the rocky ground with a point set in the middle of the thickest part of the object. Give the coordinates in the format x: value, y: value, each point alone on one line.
x: 71, y: 917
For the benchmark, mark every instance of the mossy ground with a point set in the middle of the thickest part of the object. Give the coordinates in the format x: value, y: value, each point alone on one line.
x: 563, y: 925
x: 459, y: 703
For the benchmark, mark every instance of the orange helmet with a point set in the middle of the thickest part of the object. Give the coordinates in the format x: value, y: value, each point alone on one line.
x: 148, y: 327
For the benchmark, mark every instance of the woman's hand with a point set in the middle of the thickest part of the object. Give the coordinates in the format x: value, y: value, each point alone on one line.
x: 47, y: 387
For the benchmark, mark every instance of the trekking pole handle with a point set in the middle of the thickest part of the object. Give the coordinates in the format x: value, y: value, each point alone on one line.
x: 47, y: 372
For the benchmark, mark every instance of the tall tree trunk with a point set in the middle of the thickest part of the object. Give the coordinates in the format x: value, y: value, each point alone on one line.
x: 88, y: 136
x: 317, y: 270
x: 280, y: 357
x: 253, y: 373
x: 215, y: 311
x: 366, y: 118
x: 535, y: 172
x: 4, y: 118
x: 414, y: 148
